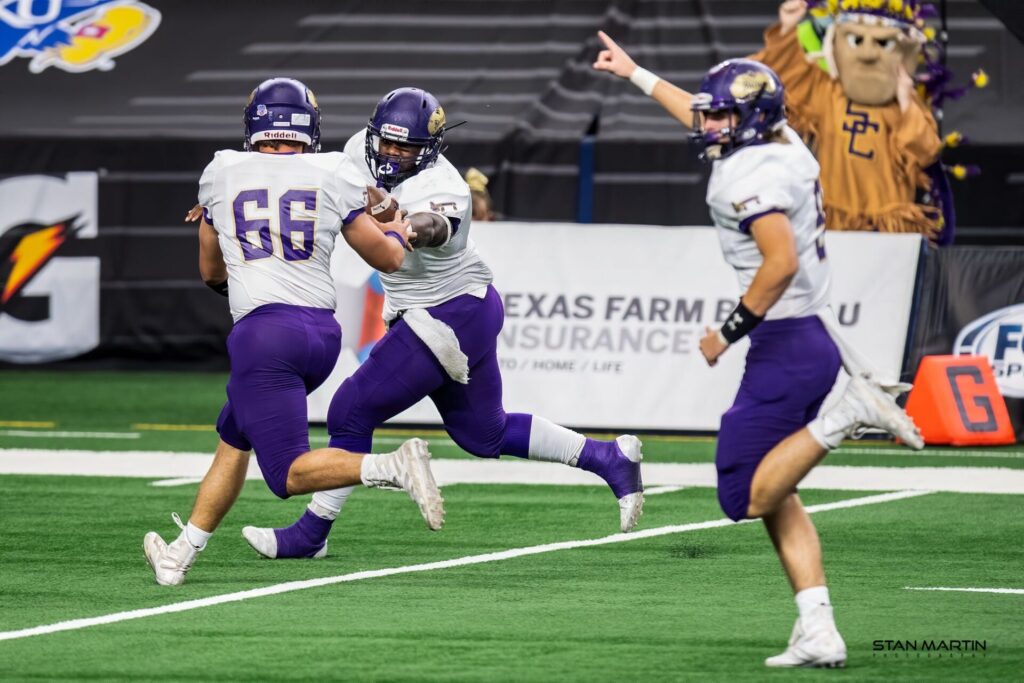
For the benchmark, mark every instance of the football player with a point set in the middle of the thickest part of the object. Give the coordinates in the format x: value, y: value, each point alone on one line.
x: 271, y: 214
x: 765, y: 202
x: 444, y: 317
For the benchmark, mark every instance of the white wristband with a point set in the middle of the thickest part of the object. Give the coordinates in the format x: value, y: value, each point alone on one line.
x: 448, y: 223
x: 644, y: 79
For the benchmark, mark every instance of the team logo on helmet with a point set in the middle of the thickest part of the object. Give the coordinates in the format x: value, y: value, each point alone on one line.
x: 436, y: 122
x: 752, y: 84
x: 312, y: 98
x: 73, y: 35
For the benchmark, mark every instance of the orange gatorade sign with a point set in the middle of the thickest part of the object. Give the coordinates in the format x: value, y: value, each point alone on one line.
x: 955, y: 401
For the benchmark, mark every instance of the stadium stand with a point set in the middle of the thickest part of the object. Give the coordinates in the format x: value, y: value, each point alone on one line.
x: 518, y: 71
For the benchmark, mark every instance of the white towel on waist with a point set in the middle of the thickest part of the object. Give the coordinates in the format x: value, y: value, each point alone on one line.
x: 442, y: 342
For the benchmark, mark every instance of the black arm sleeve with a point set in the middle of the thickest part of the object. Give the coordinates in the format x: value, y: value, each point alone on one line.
x: 219, y: 287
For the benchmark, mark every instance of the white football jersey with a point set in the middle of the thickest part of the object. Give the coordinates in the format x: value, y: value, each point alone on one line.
x: 430, y: 276
x: 277, y: 217
x: 773, y: 178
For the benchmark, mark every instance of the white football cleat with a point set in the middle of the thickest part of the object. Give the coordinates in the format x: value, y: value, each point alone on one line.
x: 264, y: 542
x: 408, y: 469
x: 874, y: 405
x: 170, y: 562
x: 631, y: 505
x: 815, y: 642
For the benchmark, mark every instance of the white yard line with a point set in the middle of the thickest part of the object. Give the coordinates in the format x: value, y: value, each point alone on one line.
x: 1010, y: 591
x: 179, y: 481
x: 161, y: 465
x: 655, y: 490
x: 444, y: 441
x: 36, y: 434
x: 277, y: 589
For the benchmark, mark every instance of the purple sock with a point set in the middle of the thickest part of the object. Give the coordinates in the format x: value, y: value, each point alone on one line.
x: 304, y: 538
x: 604, y: 459
x: 517, y: 435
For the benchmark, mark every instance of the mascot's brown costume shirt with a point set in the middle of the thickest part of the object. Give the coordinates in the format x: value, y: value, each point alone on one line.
x: 872, y: 157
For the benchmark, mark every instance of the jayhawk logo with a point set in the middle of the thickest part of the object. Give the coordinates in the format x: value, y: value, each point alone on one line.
x: 73, y: 35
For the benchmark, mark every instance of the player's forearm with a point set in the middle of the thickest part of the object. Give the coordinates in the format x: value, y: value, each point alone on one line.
x: 382, y: 247
x: 675, y: 100
x: 386, y: 256
x: 212, y: 268
x: 769, y: 284
x: 432, y: 230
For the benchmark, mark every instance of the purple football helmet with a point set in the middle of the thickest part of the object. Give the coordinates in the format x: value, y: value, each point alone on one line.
x: 409, y: 116
x: 748, y: 89
x: 282, y: 109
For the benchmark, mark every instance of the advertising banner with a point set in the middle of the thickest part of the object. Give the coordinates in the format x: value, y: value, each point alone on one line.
x: 602, y: 322
x: 49, y: 300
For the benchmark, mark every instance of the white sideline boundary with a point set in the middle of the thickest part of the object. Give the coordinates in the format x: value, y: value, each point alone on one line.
x: 1008, y: 591
x: 177, y: 468
x: 290, y: 586
x: 36, y: 434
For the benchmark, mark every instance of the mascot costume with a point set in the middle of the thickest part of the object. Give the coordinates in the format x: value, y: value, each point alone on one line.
x: 849, y: 72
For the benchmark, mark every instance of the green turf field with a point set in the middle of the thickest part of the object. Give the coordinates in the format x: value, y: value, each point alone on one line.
x: 706, y: 603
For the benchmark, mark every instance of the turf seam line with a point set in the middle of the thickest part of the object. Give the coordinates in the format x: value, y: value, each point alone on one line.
x: 290, y: 586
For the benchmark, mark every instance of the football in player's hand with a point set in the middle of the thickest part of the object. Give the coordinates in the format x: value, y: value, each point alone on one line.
x: 380, y: 204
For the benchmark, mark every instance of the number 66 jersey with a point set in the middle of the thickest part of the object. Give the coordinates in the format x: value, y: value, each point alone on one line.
x: 277, y: 217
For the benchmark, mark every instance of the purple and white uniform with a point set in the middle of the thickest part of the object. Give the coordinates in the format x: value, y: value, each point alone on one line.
x: 277, y: 217
x: 453, y: 284
x: 429, y: 277
x: 792, y: 363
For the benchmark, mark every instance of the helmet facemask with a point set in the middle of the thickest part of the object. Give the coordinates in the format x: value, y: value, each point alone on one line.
x: 750, y: 94
x: 392, y: 170
x: 407, y: 117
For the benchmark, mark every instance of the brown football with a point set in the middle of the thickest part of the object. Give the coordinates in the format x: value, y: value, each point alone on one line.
x: 380, y: 204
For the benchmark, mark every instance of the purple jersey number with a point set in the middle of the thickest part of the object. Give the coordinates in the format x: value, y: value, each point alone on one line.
x: 244, y: 226
x: 289, y: 225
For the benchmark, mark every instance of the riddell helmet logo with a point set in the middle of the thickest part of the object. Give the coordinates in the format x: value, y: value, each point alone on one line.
x: 1000, y: 337
x: 73, y: 35
x: 49, y: 296
x: 393, y: 132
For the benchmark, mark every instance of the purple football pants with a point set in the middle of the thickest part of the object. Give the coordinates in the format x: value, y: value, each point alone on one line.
x: 279, y: 354
x: 791, y: 366
x: 401, y: 370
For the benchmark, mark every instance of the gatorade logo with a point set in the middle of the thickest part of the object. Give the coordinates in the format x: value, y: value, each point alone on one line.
x: 999, y: 336
x: 49, y: 300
